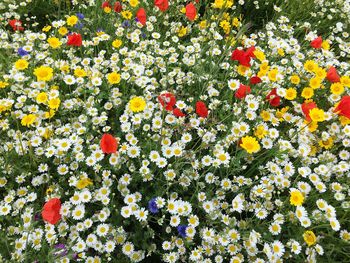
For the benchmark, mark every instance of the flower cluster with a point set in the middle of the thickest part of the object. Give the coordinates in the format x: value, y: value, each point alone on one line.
x: 166, y: 131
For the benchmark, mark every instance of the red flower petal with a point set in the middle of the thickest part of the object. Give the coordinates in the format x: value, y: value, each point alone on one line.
x: 343, y: 108
x: 316, y: 43
x: 178, y: 113
x: 201, y: 109
x: 51, y: 211
x: 242, y: 91
x: 306, y: 107
x: 163, y: 5
x: 191, y: 11
x: 108, y: 144
x: 141, y: 16
x: 74, y: 39
x: 332, y: 75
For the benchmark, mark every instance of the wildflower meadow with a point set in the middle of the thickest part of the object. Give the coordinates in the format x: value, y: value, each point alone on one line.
x: 205, y: 131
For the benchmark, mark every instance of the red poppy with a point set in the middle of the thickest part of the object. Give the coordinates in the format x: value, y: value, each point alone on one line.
x: 163, y: 5
x: 106, y: 4
x: 191, y: 11
x: 343, y: 108
x: 178, y: 113
x: 167, y: 100
x: 201, y: 109
x: 108, y: 144
x: 243, y: 57
x: 273, y: 98
x: 16, y: 25
x: 141, y: 16
x: 316, y: 43
x: 118, y: 7
x: 75, y: 39
x: 242, y: 91
x: 255, y: 80
x: 306, y: 107
x: 332, y: 75
x: 51, y: 211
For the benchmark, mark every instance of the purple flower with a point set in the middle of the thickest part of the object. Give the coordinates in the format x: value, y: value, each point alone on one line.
x: 79, y: 25
x: 80, y: 15
x: 152, y: 206
x: 60, y: 246
x: 143, y: 35
x: 126, y: 23
x: 22, y: 52
x: 182, y: 230
x: 62, y: 249
x: 37, y: 217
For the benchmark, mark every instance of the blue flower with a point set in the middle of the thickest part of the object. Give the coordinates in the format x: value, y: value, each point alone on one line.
x: 152, y: 206
x: 126, y: 23
x: 182, y: 230
x: 79, y: 25
x: 80, y: 16
x: 22, y: 52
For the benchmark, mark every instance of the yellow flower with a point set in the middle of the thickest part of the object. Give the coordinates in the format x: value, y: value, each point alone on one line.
x: 291, y: 94
x: 137, y: 104
x: 43, y: 73
x: 28, y: 120
x: 310, y: 65
x: 72, y: 20
x: 272, y: 74
x: 21, y: 64
x: 134, y: 3
x: 83, y: 182
x: 63, y: 31
x: 107, y: 9
x: 203, y: 24
x: 327, y: 144
x: 64, y: 68
x: 78, y: 72
x: 312, y: 126
x: 242, y: 70
x: 3, y: 84
x: 309, y: 238
x: 296, y: 198
x: 259, y: 55
x: 49, y: 114
x: 236, y: 22
x: 325, y: 45
x: 226, y: 26
x: 280, y: 52
x: 222, y: 4
x: 54, y: 103
x: 250, y: 144
x: 265, y: 115
x: 315, y: 83
x: 295, y: 79
x: 260, y: 132
x: 46, y: 28
x: 182, y: 31
x: 320, y: 73
x: 54, y: 42
x: 41, y: 97
x: 337, y: 88
x: 307, y: 93
x: 113, y: 78
x: 345, y: 80
x: 117, y: 43
x: 126, y: 15
x: 317, y: 115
